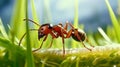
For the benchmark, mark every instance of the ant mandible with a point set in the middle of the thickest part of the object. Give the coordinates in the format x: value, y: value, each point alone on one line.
x: 58, y: 31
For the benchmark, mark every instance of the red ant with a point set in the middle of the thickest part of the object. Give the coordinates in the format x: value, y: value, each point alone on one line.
x: 58, y: 31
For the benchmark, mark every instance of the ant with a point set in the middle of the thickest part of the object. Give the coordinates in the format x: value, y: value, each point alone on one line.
x: 58, y: 31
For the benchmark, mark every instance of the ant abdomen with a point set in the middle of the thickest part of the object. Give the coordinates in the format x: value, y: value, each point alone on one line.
x: 81, y: 35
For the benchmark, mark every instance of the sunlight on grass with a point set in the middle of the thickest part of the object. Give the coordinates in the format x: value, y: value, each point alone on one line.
x: 29, y: 55
x: 2, y: 30
x: 17, y: 23
x: 104, y: 34
x: 114, y: 20
x: 33, y: 34
x: 100, y: 56
x: 75, y: 44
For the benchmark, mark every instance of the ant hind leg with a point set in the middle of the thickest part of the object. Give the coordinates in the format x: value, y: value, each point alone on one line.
x: 86, y: 47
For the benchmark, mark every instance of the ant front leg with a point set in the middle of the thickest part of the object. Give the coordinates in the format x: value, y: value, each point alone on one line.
x: 24, y: 36
x: 41, y: 44
x: 51, y: 43
x: 53, y: 36
x: 21, y: 39
x: 56, y: 36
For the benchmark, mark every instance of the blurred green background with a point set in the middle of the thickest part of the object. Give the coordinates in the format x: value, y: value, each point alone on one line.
x: 100, y: 19
x: 91, y: 13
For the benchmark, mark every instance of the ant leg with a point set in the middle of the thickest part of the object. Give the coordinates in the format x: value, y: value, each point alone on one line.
x: 63, y: 45
x: 53, y: 36
x: 21, y: 39
x: 24, y: 36
x: 71, y: 25
x: 41, y: 44
x: 63, y: 42
x: 76, y: 33
x: 66, y: 25
x: 51, y: 43
x: 73, y: 29
x: 69, y: 33
x: 82, y: 42
x: 86, y: 47
x: 43, y: 41
x: 62, y: 36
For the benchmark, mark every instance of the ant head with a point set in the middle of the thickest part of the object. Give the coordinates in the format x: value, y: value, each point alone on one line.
x: 44, y: 30
x: 80, y: 33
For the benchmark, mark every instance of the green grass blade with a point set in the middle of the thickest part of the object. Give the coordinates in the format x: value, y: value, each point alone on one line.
x: 76, y: 19
x: 33, y: 34
x: 29, y: 56
x: 76, y: 22
x: 17, y: 23
x: 47, y: 12
x: 47, y: 19
x: 34, y: 14
x: 16, y: 54
x: 114, y: 21
x: 77, y: 62
x: 3, y: 42
x: 111, y: 33
x: 2, y: 30
x: 119, y: 10
x: 92, y: 39
x: 104, y: 34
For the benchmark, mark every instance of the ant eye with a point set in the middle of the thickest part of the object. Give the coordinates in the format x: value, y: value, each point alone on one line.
x: 41, y: 28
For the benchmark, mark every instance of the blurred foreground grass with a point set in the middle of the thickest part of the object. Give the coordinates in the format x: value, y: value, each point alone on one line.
x: 12, y: 55
x: 102, y: 56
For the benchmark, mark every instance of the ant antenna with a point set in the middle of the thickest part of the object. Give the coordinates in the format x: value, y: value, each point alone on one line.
x: 31, y: 21
x: 30, y: 30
